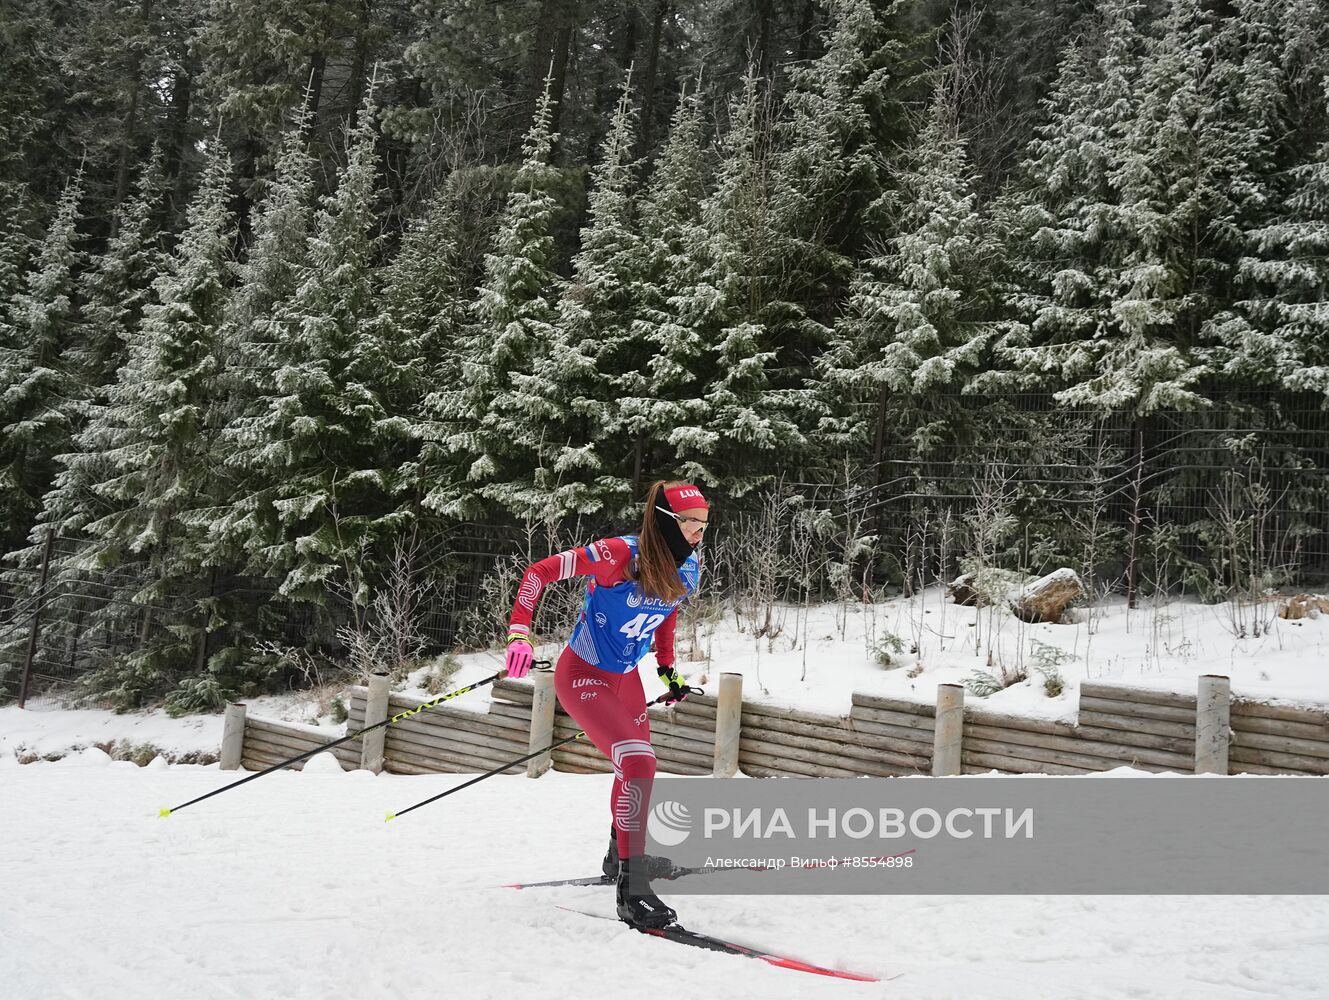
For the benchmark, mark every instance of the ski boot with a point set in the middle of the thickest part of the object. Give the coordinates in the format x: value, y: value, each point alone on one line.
x: 642, y: 910
x: 657, y: 866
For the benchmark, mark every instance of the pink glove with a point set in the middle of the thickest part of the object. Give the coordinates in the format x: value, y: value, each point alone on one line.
x: 520, y: 657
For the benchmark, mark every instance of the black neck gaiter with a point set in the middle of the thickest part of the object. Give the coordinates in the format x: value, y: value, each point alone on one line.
x: 673, y: 534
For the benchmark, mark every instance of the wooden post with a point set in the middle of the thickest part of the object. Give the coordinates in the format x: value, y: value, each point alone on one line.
x: 728, y: 724
x: 233, y: 737
x: 949, y: 731
x: 35, y: 630
x: 542, y: 722
x: 376, y: 711
x: 1212, y: 724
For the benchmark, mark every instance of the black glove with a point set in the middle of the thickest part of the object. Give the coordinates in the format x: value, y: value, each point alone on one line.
x: 678, y: 690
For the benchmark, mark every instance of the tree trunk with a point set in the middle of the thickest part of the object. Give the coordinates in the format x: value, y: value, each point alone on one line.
x: 358, y: 63
x: 646, y: 136
x: 553, y: 42
x: 879, y: 438
x: 762, y: 55
x: 129, y: 138
x: 1136, y: 518
x: 177, y: 138
x: 318, y: 62
x: 807, y: 35
x: 201, y: 664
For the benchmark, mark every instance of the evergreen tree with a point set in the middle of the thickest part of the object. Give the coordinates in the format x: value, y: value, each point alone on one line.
x: 155, y: 435
x: 1192, y: 186
x: 425, y: 307
x: 845, y: 115
x: 743, y: 417
x: 320, y: 489
x: 1275, y: 334
x: 662, y: 393
x: 115, y: 289
x: 259, y: 57
x: 258, y: 323
x: 35, y: 388
x: 918, y: 324
x: 1088, y: 302
x: 494, y: 414
x: 118, y: 283
x: 1283, y: 334
x: 596, y: 353
x: 15, y: 248
x: 257, y: 318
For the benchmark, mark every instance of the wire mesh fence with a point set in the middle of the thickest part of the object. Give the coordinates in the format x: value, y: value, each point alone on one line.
x: 1229, y: 501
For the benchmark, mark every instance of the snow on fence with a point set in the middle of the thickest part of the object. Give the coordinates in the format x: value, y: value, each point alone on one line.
x: 1117, y: 725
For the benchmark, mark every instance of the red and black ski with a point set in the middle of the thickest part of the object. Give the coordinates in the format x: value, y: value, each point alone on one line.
x: 684, y: 936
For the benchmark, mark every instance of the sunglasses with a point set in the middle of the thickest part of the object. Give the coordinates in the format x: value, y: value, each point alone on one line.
x: 686, y: 523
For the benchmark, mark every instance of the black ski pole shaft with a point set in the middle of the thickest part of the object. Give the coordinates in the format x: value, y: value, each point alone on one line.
x: 488, y: 774
x: 338, y: 742
x: 503, y: 767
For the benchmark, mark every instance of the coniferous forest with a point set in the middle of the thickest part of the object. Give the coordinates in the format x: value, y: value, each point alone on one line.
x: 286, y: 284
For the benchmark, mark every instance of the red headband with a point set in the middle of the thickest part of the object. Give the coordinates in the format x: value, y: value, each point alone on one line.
x: 685, y: 497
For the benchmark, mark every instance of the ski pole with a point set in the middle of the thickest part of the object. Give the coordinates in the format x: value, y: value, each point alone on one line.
x: 503, y: 767
x: 349, y: 736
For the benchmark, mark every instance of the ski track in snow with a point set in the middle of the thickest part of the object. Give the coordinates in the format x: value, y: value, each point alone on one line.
x: 293, y: 887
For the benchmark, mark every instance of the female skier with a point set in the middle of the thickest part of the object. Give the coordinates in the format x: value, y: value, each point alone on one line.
x: 637, y: 583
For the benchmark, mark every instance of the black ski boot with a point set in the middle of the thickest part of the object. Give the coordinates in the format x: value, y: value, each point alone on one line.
x: 640, y: 909
x: 657, y: 866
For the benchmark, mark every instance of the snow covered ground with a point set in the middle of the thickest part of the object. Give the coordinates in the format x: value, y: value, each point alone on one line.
x: 819, y: 656
x: 294, y: 887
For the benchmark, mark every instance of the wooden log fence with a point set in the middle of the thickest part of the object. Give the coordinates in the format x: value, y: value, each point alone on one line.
x: 1210, y: 731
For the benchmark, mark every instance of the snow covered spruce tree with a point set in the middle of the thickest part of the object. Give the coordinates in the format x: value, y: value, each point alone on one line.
x: 118, y: 283
x: 1093, y: 325
x: 1193, y: 185
x: 115, y: 291
x: 318, y: 484
x: 1286, y: 334
x: 747, y: 412
x: 662, y: 393
x: 423, y: 314
x: 35, y: 386
x: 845, y: 120
x: 917, y: 326
x: 150, y: 443
x: 15, y: 247
x: 1278, y: 332
x: 494, y: 415
x: 596, y: 353
x: 258, y: 322
x: 843, y: 126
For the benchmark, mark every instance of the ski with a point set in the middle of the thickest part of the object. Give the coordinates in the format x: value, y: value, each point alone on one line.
x: 682, y: 935
x: 678, y: 872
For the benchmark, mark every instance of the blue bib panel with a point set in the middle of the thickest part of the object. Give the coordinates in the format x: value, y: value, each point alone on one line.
x: 617, y: 623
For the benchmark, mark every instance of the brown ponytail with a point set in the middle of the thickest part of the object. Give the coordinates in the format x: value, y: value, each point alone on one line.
x: 655, y: 571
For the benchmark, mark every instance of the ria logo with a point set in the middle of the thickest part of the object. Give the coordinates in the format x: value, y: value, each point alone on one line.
x: 669, y: 823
